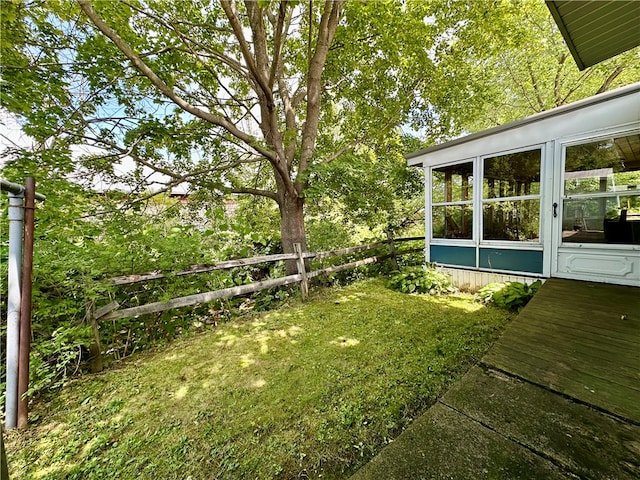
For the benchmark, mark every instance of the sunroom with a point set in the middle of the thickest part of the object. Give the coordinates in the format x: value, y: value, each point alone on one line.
x: 553, y: 195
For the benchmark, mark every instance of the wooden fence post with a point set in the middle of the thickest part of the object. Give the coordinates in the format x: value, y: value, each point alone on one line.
x: 95, y: 350
x: 302, y: 270
x: 392, y: 251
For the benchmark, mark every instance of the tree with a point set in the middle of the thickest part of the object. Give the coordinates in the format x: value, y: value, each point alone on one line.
x: 258, y: 67
x: 212, y: 67
x: 233, y: 98
x: 527, y: 67
x: 260, y: 97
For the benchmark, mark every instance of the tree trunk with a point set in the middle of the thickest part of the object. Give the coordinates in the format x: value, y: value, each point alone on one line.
x: 292, y: 228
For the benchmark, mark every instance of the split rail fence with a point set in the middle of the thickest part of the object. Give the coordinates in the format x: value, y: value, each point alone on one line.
x: 112, y: 310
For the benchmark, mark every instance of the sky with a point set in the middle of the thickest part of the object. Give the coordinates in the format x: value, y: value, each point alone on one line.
x: 12, y: 136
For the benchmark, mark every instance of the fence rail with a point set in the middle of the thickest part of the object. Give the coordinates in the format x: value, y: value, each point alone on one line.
x: 243, y: 262
x: 112, y: 310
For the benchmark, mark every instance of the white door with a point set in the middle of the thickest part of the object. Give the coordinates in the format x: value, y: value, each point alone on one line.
x: 596, y: 209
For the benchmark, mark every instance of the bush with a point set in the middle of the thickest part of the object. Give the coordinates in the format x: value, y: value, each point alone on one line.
x: 55, y: 359
x: 510, y: 295
x: 421, y: 280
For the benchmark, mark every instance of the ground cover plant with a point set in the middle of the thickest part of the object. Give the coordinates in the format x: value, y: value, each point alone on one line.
x: 509, y: 295
x: 421, y: 279
x: 311, y: 389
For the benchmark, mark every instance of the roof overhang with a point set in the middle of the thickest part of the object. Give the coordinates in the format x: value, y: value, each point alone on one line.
x: 596, y: 30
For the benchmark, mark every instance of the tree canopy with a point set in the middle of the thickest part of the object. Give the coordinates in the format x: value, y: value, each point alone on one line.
x: 527, y: 67
x: 279, y: 100
x: 231, y: 97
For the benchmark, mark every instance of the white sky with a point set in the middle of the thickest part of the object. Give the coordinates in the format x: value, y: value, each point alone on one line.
x: 12, y: 136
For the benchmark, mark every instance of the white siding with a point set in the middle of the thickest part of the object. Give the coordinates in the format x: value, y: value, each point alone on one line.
x: 472, y: 280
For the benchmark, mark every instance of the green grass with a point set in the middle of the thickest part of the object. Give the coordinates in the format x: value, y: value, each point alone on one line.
x: 310, y: 390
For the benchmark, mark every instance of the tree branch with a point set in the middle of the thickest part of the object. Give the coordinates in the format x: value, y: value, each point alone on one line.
x: 326, y: 31
x: 556, y: 81
x: 585, y: 74
x: 230, y: 11
x: 350, y: 146
x: 534, y: 83
x: 278, y: 42
x: 507, y: 62
x: 164, y: 88
x: 220, y: 56
x: 258, y: 66
x: 254, y: 191
x: 609, y: 80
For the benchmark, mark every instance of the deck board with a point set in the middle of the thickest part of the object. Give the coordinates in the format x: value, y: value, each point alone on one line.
x: 581, y: 339
x: 597, y: 322
x: 580, y: 439
x: 575, y: 349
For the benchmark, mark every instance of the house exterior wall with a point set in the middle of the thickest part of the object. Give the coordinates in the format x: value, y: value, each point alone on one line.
x: 601, y: 117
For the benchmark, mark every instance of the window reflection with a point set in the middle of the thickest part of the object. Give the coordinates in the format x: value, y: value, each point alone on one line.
x: 614, y: 219
x: 611, y: 165
x: 602, y: 183
x: 455, y: 221
x: 512, y: 175
x: 453, y: 183
x: 509, y: 176
x: 517, y: 220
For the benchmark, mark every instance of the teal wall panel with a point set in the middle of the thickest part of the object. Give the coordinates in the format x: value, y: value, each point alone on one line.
x: 463, y: 256
x: 512, y: 260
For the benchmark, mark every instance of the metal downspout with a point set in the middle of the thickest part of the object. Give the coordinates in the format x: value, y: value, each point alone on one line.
x: 16, y: 216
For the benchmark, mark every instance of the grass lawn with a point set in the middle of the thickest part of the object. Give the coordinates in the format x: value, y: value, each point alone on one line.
x: 306, y: 391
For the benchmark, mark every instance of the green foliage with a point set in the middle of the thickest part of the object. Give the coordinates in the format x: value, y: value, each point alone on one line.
x: 94, y: 95
x: 421, y: 280
x: 271, y: 298
x: 55, y: 359
x: 528, y: 63
x: 311, y: 390
x: 509, y: 295
x: 4, y: 470
x: 344, y: 189
x: 83, y: 238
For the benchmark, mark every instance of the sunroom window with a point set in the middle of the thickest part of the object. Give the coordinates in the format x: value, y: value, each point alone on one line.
x: 601, y: 201
x: 452, y: 201
x: 511, y: 197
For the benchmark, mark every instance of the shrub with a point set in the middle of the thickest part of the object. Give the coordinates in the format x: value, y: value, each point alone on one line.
x: 421, y: 280
x: 510, y: 295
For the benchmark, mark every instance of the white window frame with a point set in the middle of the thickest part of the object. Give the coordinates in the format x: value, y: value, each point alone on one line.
x: 582, y: 139
x: 514, y: 244
x: 462, y: 242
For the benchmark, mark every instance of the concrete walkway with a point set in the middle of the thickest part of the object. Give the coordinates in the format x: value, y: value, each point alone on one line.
x: 558, y: 396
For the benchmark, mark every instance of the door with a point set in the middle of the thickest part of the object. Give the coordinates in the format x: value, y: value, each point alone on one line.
x: 596, y: 210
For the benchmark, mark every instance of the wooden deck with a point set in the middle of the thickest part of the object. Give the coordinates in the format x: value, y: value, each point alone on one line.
x: 581, y: 339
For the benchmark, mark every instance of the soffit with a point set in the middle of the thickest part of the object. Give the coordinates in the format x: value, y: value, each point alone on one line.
x: 596, y: 30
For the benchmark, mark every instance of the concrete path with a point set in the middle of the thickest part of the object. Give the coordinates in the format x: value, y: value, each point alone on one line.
x: 548, y: 401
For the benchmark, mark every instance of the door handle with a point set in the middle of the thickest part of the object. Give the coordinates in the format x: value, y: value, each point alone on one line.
x: 555, y: 210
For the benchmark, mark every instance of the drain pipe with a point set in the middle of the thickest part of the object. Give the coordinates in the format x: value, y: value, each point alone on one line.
x: 14, y: 298
x: 16, y: 216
